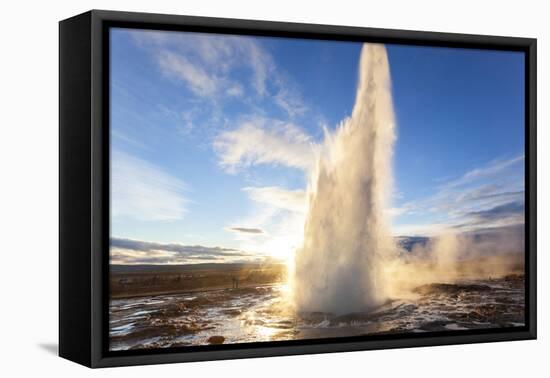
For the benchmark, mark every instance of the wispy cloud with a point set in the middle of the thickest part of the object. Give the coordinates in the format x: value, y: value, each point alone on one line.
x: 289, y: 98
x: 213, y: 67
x: 198, y: 80
x: 142, y: 191
x: 292, y: 200
x: 264, y: 141
x: 510, y: 213
x: 491, y: 170
x: 488, y: 196
x: 123, y: 138
x: 129, y: 251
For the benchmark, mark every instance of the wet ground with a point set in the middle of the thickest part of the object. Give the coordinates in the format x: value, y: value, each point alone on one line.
x: 261, y: 313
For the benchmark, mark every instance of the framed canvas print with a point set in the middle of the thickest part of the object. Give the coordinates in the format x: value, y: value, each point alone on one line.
x: 234, y: 188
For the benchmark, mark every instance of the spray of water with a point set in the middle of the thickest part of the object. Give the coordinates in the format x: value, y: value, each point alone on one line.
x: 339, y: 267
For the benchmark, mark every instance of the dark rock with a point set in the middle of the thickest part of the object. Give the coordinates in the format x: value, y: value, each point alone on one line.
x: 435, y: 325
x: 216, y: 340
x: 442, y: 288
x: 514, y: 278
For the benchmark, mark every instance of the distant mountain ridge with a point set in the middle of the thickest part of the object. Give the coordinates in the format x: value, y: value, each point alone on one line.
x: 409, y: 242
x: 165, y: 268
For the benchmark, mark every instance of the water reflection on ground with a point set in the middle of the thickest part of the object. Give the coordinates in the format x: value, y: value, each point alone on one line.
x: 261, y: 313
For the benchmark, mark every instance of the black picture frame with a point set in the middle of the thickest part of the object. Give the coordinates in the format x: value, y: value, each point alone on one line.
x: 84, y: 187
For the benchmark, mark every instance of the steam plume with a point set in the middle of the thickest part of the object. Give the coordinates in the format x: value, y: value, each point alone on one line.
x: 338, y: 268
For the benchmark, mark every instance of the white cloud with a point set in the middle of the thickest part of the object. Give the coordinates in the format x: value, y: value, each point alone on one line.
x: 142, y: 191
x: 288, y: 98
x: 261, y: 63
x: 264, y: 141
x: 236, y: 90
x: 211, y: 58
x: 420, y: 229
x: 396, y: 211
x: 198, y: 80
x: 292, y: 200
x: 213, y: 67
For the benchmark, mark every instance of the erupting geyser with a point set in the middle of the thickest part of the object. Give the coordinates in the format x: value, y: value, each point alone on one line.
x: 338, y: 268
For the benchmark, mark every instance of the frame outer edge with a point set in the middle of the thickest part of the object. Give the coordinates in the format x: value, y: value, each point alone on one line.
x: 532, y: 51
x: 99, y: 157
x: 74, y: 193
x: 98, y: 128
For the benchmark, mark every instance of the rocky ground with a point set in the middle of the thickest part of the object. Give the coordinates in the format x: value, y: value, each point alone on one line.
x: 261, y: 313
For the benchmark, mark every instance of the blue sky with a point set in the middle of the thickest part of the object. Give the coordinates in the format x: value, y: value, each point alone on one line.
x: 212, y: 138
